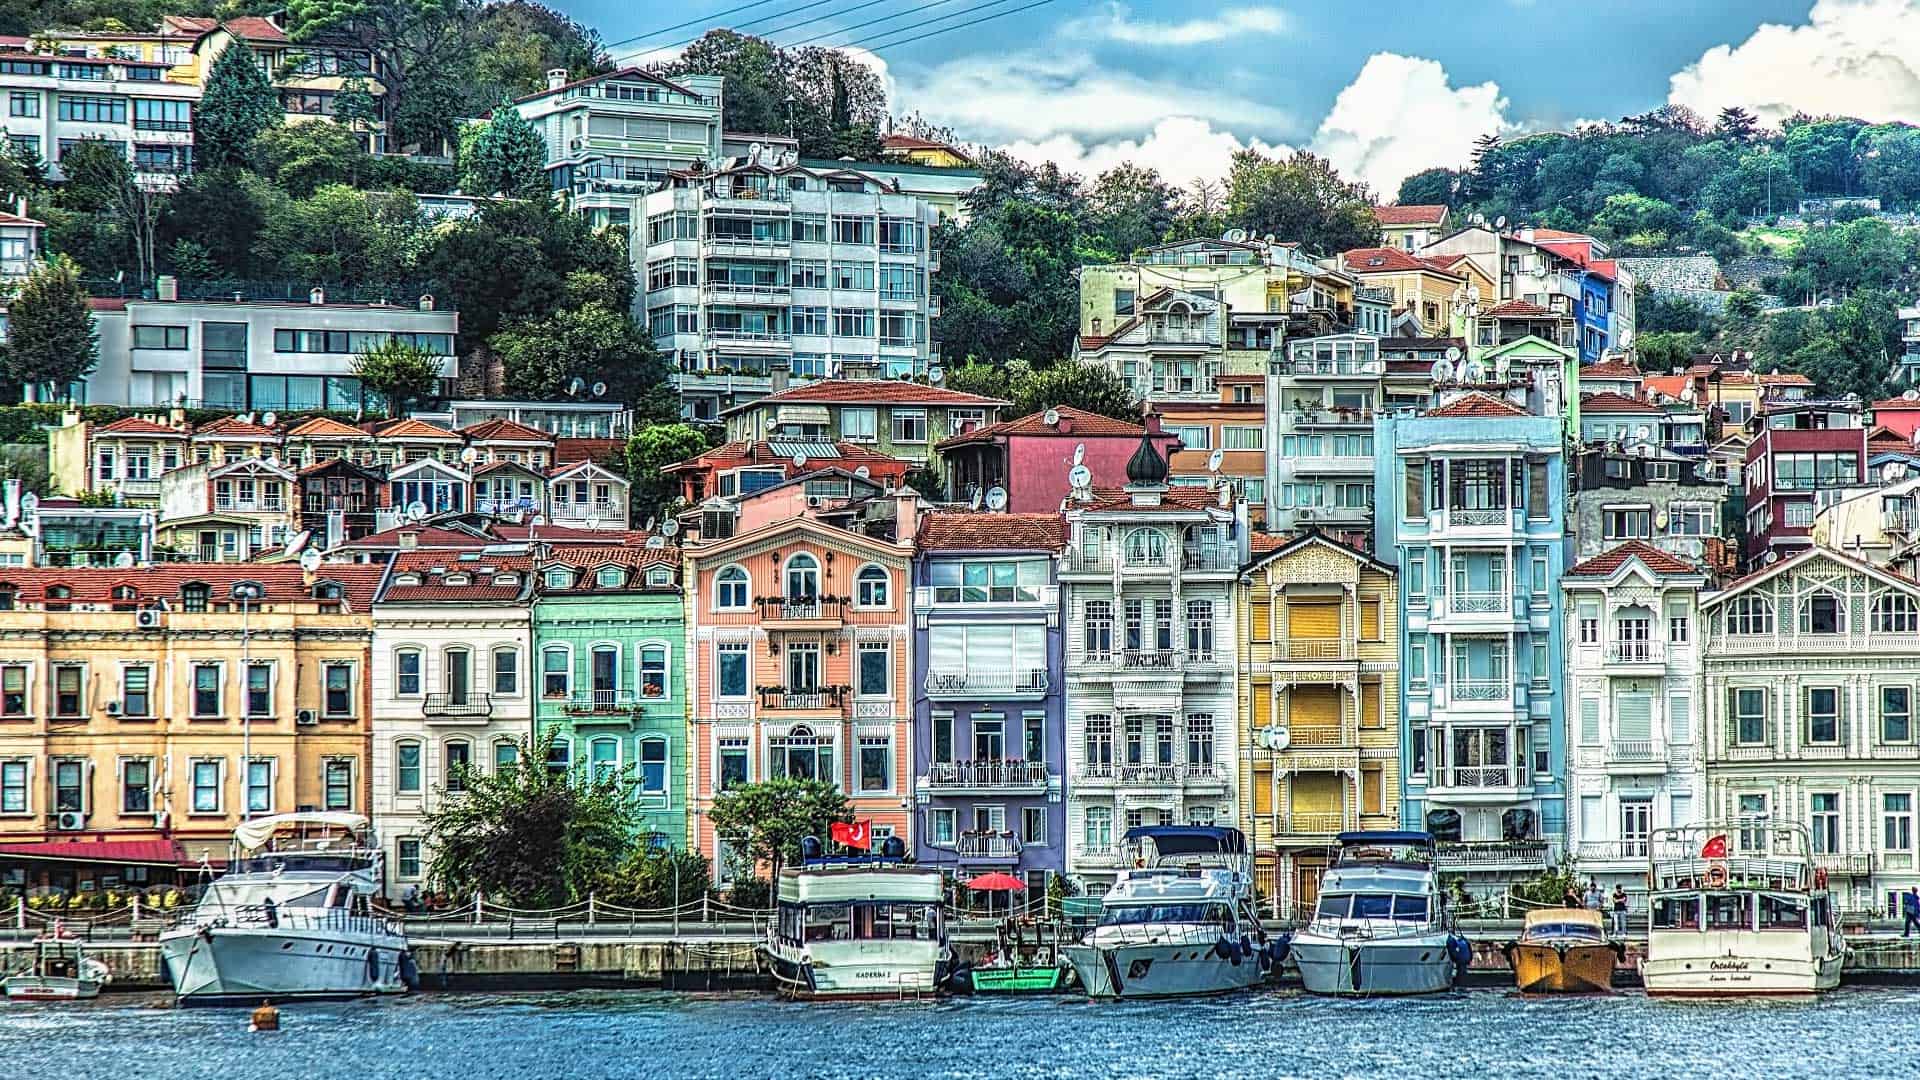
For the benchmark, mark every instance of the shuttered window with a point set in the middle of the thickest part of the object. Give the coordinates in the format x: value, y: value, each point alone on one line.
x: 1633, y: 717
x: 1373, y: 791
x: 1370, y: 714
x: 1590, y: 720
x: 1316, y: 793
x: 1262, y: 617
x: 1315, y: 707
x: 1313, y: 621
x: 1679, y: 719
x: 1370, y: 619
x: 1262, y: 705
x: 1262, y: 789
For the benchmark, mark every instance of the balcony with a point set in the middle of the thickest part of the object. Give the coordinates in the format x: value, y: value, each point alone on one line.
x: 1314, y: 649
x: 1331, y: 465
x: 504, y: 507
x: 744, y: 248
x: 777, y: 611
x: 1329, y: 368
x: 1147, y: 660
x: 988, y: 846
x: 778, y: 341
x: 729, y: 292
x: 1480, y: 784
x: 1480, y: 603
x: 457, y: 707
x: 1088, y: 562
x: 1313, y: 824
x: 1851, y: 864
x: 986, y: 776
x: 1481, y: 691
x: 1209, y: 560
x: 1636, y: 756
x: 1321, y: 736
x: 602, y: 703
x: 1492, y: 855
x: 963, y: 684
x: 593, y: 510
x: 1861, y: 642
x: 1097, y: 855
x: 1612, y: 851
x: 1153, y: 775
x: 1461, y: 517
x: 1332, y: 418
x: 1161, y: 334
x: 1637, y: 653
x: 810, y: 699
x: 249, y: 506
x: 143, y: 487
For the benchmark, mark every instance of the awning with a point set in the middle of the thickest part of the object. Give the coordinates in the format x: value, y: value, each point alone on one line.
x: 253, y: 834
x: 802, y: 414
x: 144, y: 852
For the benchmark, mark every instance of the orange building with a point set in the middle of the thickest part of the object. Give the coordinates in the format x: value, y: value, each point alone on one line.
x: 1235, y: 425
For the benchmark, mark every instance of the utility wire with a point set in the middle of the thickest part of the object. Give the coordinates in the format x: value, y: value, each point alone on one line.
x: 749, y: 22
x: 889, y: 18
x: 874, y: 48
x: 690, y: 22
x: 817, y: 18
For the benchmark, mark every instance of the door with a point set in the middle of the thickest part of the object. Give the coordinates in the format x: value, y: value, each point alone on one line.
x: 1636, y: 824
x: 459, y: 676
x: 606, y: 676
x: 1306, y: 883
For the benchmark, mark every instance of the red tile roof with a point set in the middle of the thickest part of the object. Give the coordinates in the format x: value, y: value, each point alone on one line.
x: 435, y: 567
x: 1605, y: 563
x: 1080, y: 424
x: 1173, y: 499
x: 636, y: 554
x: 16, y: 219
x: 1558, y: 234
x: 1262, y: 542
x: 106, y: 303
x: 1895, y: 403
x: 281, y: 582
x: 425, y: 537
x: 1784, y: 378
x: 149, y: 852
x: 324, y: 427
x: 232, y: 427
x: 1670, y: 385
x: 735, y: 454
x: 139, y: 425
x: 1610, y: 402
x: 566, y: 450
x: 992, y: 532
x: 1380, y: 260
x: 500, y: 429
x: 564, y: 534
x: 409, y: 428
x: 1477, y: 404
x: 1610, y: 369
x: 870, y: 391
x: 1415, y: 214
x: 1518, y: 308
x: 1606, y: 268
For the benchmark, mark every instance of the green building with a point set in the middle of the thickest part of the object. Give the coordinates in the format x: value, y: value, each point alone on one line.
x: 607, y: 632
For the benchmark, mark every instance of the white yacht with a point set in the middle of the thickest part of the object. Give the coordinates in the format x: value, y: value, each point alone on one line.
x: 858, y: 927
x: 290, y: 919
x: 1181, y: 924
x: 1737, y: 909
x: 1381, y: 925
x: 60, y: 970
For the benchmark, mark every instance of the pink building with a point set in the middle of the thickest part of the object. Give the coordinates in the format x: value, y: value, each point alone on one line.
x: 1030, y: 457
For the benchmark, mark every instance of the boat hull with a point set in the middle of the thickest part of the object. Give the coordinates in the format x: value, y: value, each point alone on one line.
x: 1543, y: 968
x: 1364, y: 967
x: 48, y: 988
x: 1732, y: 976
x: 1017, y: 980
x: 1160, y: 971
x: 227, y: 965
x: 808, y: 977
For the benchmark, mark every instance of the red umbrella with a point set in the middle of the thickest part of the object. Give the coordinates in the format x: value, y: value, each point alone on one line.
x: 997, y: 882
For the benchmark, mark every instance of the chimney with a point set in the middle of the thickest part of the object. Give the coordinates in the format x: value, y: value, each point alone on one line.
x: 167, y: 287
x: 426, y: 301
x: 318, y: 296
x: 20, y: 206
x: 556, y: 78
x: 906, y: 515
x: 177, y: 417
x: 778, y: 376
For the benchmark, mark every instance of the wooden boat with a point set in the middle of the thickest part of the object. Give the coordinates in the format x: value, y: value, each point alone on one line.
x: 1563, y: 951
x: 59, y: 971
x: 1017, y: 978
x: 1026, y: 960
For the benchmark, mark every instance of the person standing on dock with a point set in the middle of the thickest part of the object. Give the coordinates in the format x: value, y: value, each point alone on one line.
x: 1910, y: 909
x: 1619, y: 910
x: 1596, y: 900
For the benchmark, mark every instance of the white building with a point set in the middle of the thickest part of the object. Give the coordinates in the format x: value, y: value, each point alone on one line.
x: 452, y: 638
x: 1152, y: 706
x: 55, y: 102
x: 766, y: 264
x: 1633, y: 687
x: 250, y: 354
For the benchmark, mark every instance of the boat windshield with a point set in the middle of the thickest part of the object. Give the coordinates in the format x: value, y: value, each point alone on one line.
x: 1133, y: 914
x: 1729, y: 911
x: 1574, y: 931
x: 1373, y: 906
x: 1782, y: 912
x: 862, y: 922
x: 1676, y: 913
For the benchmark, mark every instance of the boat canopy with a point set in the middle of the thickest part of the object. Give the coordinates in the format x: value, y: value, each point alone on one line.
x: 1385, y: 836
x: 1190, y: 839
x: 254, y: 834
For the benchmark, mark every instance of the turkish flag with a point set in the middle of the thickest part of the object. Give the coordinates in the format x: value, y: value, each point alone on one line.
x: 857, y: 835
x: 1715, y: 848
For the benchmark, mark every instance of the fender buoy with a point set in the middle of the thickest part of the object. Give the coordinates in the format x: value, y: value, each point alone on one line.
x: 1223, y: 948
x: 409, y: 971
x: 1462, y: 951
x: 265, y: 1018
x: 1819, y: 877
x: 1717, y: 875
x: 1281, y: 946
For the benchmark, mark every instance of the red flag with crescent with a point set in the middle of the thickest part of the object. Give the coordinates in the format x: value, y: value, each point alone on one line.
x: 857, y: 835
x: 1715, y: 847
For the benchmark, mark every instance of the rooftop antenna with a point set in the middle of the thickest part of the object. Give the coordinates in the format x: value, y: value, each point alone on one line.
x: 1079, y: 453
x: 996, y: 498
x: 310, y: 560
x: 669, y: 527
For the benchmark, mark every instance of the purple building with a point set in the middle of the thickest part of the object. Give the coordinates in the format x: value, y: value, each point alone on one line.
x: 989, y: 743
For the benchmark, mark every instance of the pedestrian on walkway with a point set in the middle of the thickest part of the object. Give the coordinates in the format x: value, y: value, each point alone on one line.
x: 1910, y: 909
x: 1596, y: 900
x: 1619, y: 911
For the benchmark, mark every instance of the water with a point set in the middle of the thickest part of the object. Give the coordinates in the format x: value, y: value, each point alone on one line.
x: 1858, y: 1032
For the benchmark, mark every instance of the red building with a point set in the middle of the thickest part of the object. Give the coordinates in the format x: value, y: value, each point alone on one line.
x: 1031, y: 457
x: 742, y: 468
x: 1792, y: 472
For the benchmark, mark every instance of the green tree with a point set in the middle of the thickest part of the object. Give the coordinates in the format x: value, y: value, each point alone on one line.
x: 340, y: 235
x: 766, y: 821
x: 237, y: 104
x: 830, y: 101
x: 519, y: 41
x: 1131, y: 207
x: 542, y: 357
x: 1082, y: 386
x: 505, y: 155
x: 543, y: 245
x: 1737, y: 125
x: 400, y: 372
x: 1302, y: 199
x: 51, y: 340
x: 655, y: 878
x: 986, y: 380
x: 221, y: 213
x: 101, y: 178
x: 423, y: 49
x: 1889, y: 156
x: 1821, y: 152
x: 1763, y: 182
x: 1744, y: 304
x: 1668, y: 350
x: 1644, y: 221
x: 1430, y: 187
x: 650, y: 449
x: 301, y: 158
x: 528, y: 834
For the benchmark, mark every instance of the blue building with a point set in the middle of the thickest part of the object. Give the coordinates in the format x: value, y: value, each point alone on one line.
x: 1471, y: 510
x: 989, y: 745
x: 1592, y: 315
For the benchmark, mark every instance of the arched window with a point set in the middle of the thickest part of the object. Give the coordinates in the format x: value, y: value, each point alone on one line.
x: 456, y: 757
x: 653, y: 766
x: 506, y: 671
x: 560, y: 755
x: 1895, y: 613
x: 1146, y: 546
x: 802, y: 755
x: 124, y: 597
x: 604, y: 755
x: 406, y: 767
x: 870, y: 588
x: 193, y: 596
x: 653, y: 671
x: 1750, y: 615
x: 730, y: 589
x: 803, y: 578
x: 604, y: 670
x: 1823, y: 612
x: 556, y: 672
x: 559, y: 577
x: 610, y: 577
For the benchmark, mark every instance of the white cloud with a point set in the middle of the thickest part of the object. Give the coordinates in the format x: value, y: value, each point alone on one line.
x: 1181, y: 148
x: 1117, y: 24
x: 1401, y: 115
x: 1852, y: 57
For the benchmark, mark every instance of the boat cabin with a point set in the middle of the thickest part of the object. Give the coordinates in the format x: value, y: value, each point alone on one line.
x: 859, y: 902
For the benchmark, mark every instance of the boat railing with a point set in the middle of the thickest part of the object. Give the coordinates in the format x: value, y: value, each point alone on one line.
x: 291, y: 917
x: 1733, y: 872
x: 1204, y: 934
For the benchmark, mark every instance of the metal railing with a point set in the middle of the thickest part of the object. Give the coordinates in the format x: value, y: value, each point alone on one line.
x: 1208, y: 560
x: 1479, y: 603
x: 1492, y: 854
x: 991, y: 845
x: 810, y: 607
x: 1612, y: 851
x: 1636, y: 751
x: 458, y: 705
x: 602, y: 701
x: 987, y: 774
x: 1479, y: 776
x: 1316, y: 823
x: 1481, y: 689
x: 249, y: 505
x: 1148, y: 659
x: 1321, y: 736
x: 819, y: 697
x: 1635, y: 652
x: 1463, y: 517
x: 960, y: 683
x: 603, y: 509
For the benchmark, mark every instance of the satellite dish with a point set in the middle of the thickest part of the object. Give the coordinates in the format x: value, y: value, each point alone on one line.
x: 578, y: 384
x: 310, y: 560
x: 1686, y: 393
x: 269, y: 419
x: 1214, y: 459
x: 599, y: 389
x: 29, y: 503
x: 1080, y: 477
x: 753, y: 153
x: 1270, y: 239
x: 1771, y: 557
x: 862, y: 472
x: 416, y: 510
x: 996, y: 499
x: 799, y: 461
x: 1453, y: 352
x: 1889, y: 472
x: 936, y: 374
x: 1914, y: 439
x: 977, y: 497
x: 669, y: 527
x: 1643, y: 432
x: 124, y: 560
x: 1442, y: 371
x: 1910, y: 394
x: 1236, y: 236
x: 656, y: 542
x: 1276, y: 737
x: 1500, y: 222
x: 470, y: 454
x: 649, y: 527
x: 1052, y: 417
x: 1079, y: 453
x: 538, y: 519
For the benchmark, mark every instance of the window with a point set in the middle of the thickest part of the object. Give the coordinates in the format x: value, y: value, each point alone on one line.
x: 730, y: 589
x: 653, y: 671
x: 1097, y: 629
x: 1200, y: 630
x: 1896, y: 821
x: 136, y: 697
x: 1896, y: 714
x: 1242, y: 438
x: 1895, y: 613
x: 1146, y: 546
x: 733, y: 759
x: 603, y: 756
x: 876, y: 763
x: 1200, y: 739
x: 560, y: 756
x: 1632, y: 523
x: 259, y: 786
x: 506, y: 671
x: 803, y: 578
x: 876, y: 669
x: 136, y: 786
x: 160, y: 337
x: 987, y: 581
x: 1824, y: 823
x: 609, y: 577
x: 206, y: 689
x: 406, y: 672
x: 406, y: 768
x: 91, y: 110
x: 337, y: 782
x: 1749, y: 716
x: 653, y: 766
x: 69, y: 682
x: 1820, y: 614
x: 457, y: 680
x: 13, y: 690
x: 259, y: 690
x: 1679, y: 627
x: 1098, y: 829
x: 1823, y: 714
x: 860, y: 425
x: 1750, y: 615
x: 870, y: 588
x: 1589, y: 622
x: 556, y: 672
x: 205, y: 778
x: 730, y: 669
x: 406, y: 858
x: 802, y: 755
x: 23, y: 103
x: 1099, y: 742
x: 13, y: 787
x: 505, y: 755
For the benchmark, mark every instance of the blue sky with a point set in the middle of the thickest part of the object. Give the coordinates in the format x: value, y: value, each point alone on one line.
x: 1383, y: 88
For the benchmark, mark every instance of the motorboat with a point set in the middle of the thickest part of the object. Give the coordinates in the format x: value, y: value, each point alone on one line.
x: 59, y: 971
x: 292, y: 918
x: 1736, y: 909
x: 858, y: 926
x: 1182, y: 924
x: 1381, y: 925
x: 1563, y: 951
x: 1025, y: 960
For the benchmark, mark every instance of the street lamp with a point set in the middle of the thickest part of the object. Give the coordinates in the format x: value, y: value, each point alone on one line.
x: 246, y: 593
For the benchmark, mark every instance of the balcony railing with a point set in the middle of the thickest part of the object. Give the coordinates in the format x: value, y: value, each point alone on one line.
x: 1479, y: 603
x: 1636, y: 751
x: 1612, y: 851
x: 1321, y: 417
x: 1480, y: 776
x: 1492, y: 855
x: 1464, y: 517
x: 1331, y: 367
x: 1208, y: 560
x: 231, y: 503
x: 962, y: 683
x: 1635, y: 652
x: 1151, y: 774
x: 1319, y: 735
x: 819, y: 697
x: 469, y: 706
x: 985, y: 774
x: 1316, y: 649
x: 1148, y: 659
x: 603, y: 509
x: 988, y: 845
x: 1314, y: 823
x: 602, y: 701
x: 810, y: 607
x: 1179, y: 335
x: 1482, y: 689
x: 1853, y: 863
x: 1089, y: 562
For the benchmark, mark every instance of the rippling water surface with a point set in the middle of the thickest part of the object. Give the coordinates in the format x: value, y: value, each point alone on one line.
x: 1853, y: 1033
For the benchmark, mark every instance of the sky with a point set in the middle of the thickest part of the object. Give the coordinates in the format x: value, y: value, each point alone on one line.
x: 1383, y: 89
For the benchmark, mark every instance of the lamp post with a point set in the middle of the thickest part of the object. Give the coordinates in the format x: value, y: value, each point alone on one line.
x: 246, y: 593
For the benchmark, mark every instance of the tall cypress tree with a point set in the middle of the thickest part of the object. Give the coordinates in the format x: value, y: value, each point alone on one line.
x: 506, y: 155
x: 51, y: 341
x: 239, y: 103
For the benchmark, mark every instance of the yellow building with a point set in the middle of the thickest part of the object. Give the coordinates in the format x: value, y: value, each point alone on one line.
x: 310, y: 75
x: 127, y: 697
x: 171, y: 44
x: 1320, y: 693
x: 914, y: 150
x: 1423, y: 288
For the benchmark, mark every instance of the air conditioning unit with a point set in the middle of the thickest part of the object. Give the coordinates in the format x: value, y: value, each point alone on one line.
x: 306, y: 718
x: 113, y: 708
x: 70, y: 821
x: 149, y: 618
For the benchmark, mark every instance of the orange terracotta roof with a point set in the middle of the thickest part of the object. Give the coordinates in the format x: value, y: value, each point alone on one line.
x: 992, y: 532
x: 1518, y: 308
x: 1389, y: 260
x: 1784, y: 378
x: 1895, y: 403
x: 1262, y: 542
x: 563, y: 534
x: 232, y: 427
x: 425, y: 536
x: 280, y: 582
x: 1610, y: 402
x: 870, y: 391
x: 409, y: 428
x: 589, y: 555
x: 1415, y: 214
x: 1477, y: 404
x: 1172, y: 500
x: 596, y: 450
x: 1670, y: 385
x: 324, y: 427
x: 1610, y: 369
x: 1558, y: 234
x: 1607, y: 562
x: 139, y: 425
x: 734, y: 454
x: 435, y: 567
x: 1079, y: 424
x: 500, y: 429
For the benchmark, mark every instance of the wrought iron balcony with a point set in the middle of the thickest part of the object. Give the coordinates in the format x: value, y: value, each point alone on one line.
x: 1636, y: 652
x: 818, y: 697
x: 1489, y: 690
x: 1148, y: 659
x: 1469, y: 517
x: 1318, y: 649
x: 799, y: 608
x: 1493, y: 855
x: 988, y: 845
x: 948, y: 684
x: 458, y: 706
x: 602, y: 701
x: 986, y: 775
x: 1479, y: 603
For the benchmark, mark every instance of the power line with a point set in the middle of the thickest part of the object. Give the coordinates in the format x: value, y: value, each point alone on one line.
x: 818, y: 18
x: 889, y: 18
x: 749, y: 22
x: 945, y: 29
x: 690, y: 22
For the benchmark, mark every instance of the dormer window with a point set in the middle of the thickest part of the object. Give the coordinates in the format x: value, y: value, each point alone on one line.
x: 660, y: 577
x: 193, y: 597
x: 124, y: 597
x: 328, y: 590
x: 458, y: 579
x: 610, y: 577
x: 59, y: 598
x: 506, y: 579
x: 406, y: 579
x: 559, y: 578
